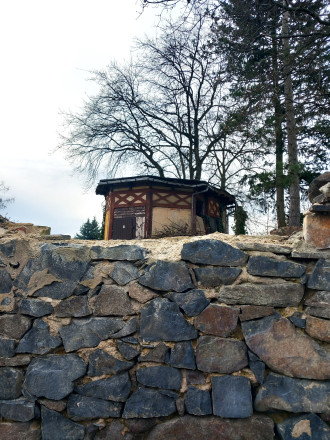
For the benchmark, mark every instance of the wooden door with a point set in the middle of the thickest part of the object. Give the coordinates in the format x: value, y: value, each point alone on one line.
x: 124, y: 228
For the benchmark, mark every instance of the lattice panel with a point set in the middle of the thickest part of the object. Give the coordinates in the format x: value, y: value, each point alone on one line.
x: 171, y: 198
x: 213, y: 208
x: 130, y: 198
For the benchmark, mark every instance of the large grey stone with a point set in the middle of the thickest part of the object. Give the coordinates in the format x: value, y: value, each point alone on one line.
x: 88, y: 408
x: 216, y: 276
x: 320, y: 277
x: 145, y: 403
x: 7, y: 347
x: 182, y: 356
x: 57, y: 290
x: 121, y: 252
x: 56, y: 427
x: 89, y: 332
x: 52, y: 376
x: 305, y: 427
x: 116, y: 388
x: 14, y: 326
x: 76, y: 306
x: 161, y: 320
x: 167, y: 276
x: 276, y: 295
x: 100, y: 362
x: 192, y: 302
x: 127, y: 350
x: 198, y: 402
x: 36, y: 307
x: 5, y: 281
x: 213, y: 252
x: 231, y: 396
x: 38, y: 340
x: 20, y: 410
x: 270, y: 267
x: 124, y: 272
x: 113, y: 300
x: 11, y: 380
x: 217, y: 320
x: 292, y: 395
x: 285, y: 349
x: 319, y: 305
x: 167, y: 378
x: 220, y: 355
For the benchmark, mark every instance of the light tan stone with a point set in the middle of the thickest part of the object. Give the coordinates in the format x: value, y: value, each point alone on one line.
x: 318, y: 328
x: 316, y: 230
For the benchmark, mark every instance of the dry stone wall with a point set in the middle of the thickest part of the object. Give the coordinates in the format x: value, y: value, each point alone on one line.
x: 228, y: 343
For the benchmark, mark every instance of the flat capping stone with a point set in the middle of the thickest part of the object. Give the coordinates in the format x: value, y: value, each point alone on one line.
x: 263, y: 247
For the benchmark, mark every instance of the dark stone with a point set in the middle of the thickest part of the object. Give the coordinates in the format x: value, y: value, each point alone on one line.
x: 166, y: 275
x: 254, y: 312
x: 192, y: 302
x: 100, y: 362
x: 127, y: 350
x: 113, y: 300
x: 116, y: 388
x: 140, y: 293
x: 276, y: 295
x: 320, y: 277
x: 270, y: 267
x: 52, y: 376
x: 38, y: 340
x: 14, y: 326
x: 130, y: 327
x: 263, y: 247
x: 89, y: 332
x: 91, y: 430
x: 36, y: 307
x: 76, y: 306
x: 161, y: 320
x: 285, y: 349
x: 145, y: 403
x: 257, y: 367
x: 7, y: 347
x: 20, y: 431
x: 20, y: 410
x: 215, y: 276
x: 316, y: 184
x: 124, y: 272
x: 88, y: 408
x: 114, y: 431
x: 320, y: 208
x: 305, y: 427
x: 292, y: 395
x: 198, y: 402
x: 157, y: 354
x: 137, y: 426
x: 131, y: 339
x: 122, y: 252
x: 214, y: 428
x: 5, y: 281
x: 220, y: 355
x: 213, y: 252
x: 57, y: 290
x: 179, y: 403
x: 182, y: 356
x: 56, y: 427
x: 217, y: 320
x: 297, y: 320
x: 195, y: 377
x: 319, y: 305
x: 231, y: 397
x: 8, y: 249
x: 15, y: 361
x: 11, y: 380
x: 167, y: 378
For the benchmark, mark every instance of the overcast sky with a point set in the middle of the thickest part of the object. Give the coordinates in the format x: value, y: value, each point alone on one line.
x: 47, y: 49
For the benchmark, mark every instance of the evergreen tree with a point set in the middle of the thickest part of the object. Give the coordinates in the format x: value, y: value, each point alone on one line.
x: 90, y: 230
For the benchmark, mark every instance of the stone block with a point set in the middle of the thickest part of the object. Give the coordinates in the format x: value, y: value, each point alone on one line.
x: 11, y: 380
x: 38, y: 340
x: 145, y: 403
x: 263, y: 247
x: 192, y: 302
x: 20, y: 431
x: 198, y: 402
x: 319, y: 305
x: 113, y: 300
x: 305, y: 427
x: 298, y: 320
x: 20, y: 410
x: 163, y: 377
x: 6, y: 282
x: 114, y: 431
x: 14, y: 326
x: 124, y: 272
x: 89, y: 408
x: 7, y: 347
x: 100, y: 362
x: 54, y: 426
x: 216, y: 276
x: 318, y: 328
x: 320, y: 277
x: 167, y: 276
x: 116, y: 388
x: 76, y: 307
x: 35, y: 307
x: 183, y: 356
x: 130, y: 327
x: 270, y: 267
x: 217, y: 320
x: 15, y: 361
x: 121, y: 252
x: 127, y: 350
x: 140, y: 293
x: 158, y: 354
x: 231, y: 397
x: 248, y: 313
x: 316, y: 230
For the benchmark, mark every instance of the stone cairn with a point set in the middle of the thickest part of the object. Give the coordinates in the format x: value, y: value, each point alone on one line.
x: 230, y: 343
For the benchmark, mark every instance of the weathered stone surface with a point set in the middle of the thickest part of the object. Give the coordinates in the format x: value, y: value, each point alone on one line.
x: 15, y: 361
x: 89, y: 332
x: 318, y: 328
x: 130, y: 327
x: 305, y: 427
x: 100, y: 362
x: 192, y: 302
x: 128, y: 351
x: 276, y: 295
x: 220, y: 355
x: 137, y: 426
x: 56, y: 427
x: 161, y: 320
x: 213, y: 252
x: 167, y: 378
x: 264, y: 247
x: 88, y: 408
x: 20, y: 431
x: 115, y: 431
x: 52, y: 376
x: 76, y: 306
x: 157, y: 354
x: 257, y: 367
x: 116, y: 388
x: 316, y: 229
x: 320, y: 277
x: 113, y: 300
x: 254, y: 312
x: 270, y: 267
x: 7, y: 347
x: 140, y: 293
x: 316, y: 184
x: 215, y: 276
x: 57, y: 290
x: 145, y: 403
x: 55, y: 405
x: 20, y: 410
x: 38, y: 340
x: 124, y: 272
x: 11, y: 380
x: 5, y: 281
x: 286, y: 350
x: 214, y: 428
x: 121, y: 252
x: 36, y: 307
x: 195, y: 377
x: 14, y: 326
x: 231, y: 396
x: 319, y: 305
x: 293, y: 395
x: 217, y: 320
x: 166, y: 275
x: 182, y: 356
x: 198, y: 402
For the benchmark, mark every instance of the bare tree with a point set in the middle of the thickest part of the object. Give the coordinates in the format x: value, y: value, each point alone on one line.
x: 4, y: 200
